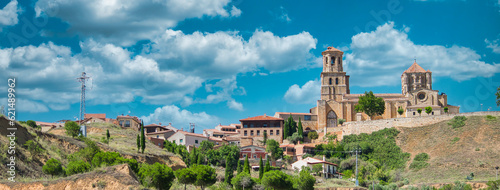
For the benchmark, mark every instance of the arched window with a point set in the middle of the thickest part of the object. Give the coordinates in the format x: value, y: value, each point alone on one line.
x: 336, y: 80
x: 332, y: 60
x: 330, y: 81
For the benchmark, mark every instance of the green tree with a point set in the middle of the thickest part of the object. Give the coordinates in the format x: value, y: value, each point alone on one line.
x: 32, y: 124
x: 498, y: 96
x: 72, y: 128
x: 330, y: 137
x: 317, y: 168
x: 156, y: 175
x: 242, y: 181
x: 370, y: 104
x: 206, y: 176
x: 273, y: 147
x: 286, y: 129
x: 143, y: 138
x: 229, y: 170
x: 138, y: 143
x: 305, y: 180
x: 206, y: 145
x: 277, y: 180
x: 239, y: 168
x: 445, y: 109
x: 428, y: 110
x: 300, y: 130
x: 313, y: 135
x: 261, y: 168
x: 341, y: 121
x: 33, y: 147
x: 267, y: 167
x: 53, y: 167
x: 296, y: 137
x: 193, y: 157
x: 78, y: 166
x: 186, y: 176
x: 107, y: 158
x: 419, y: 110
x: 400, y: 111
x: 246, y: 166
x: 107, y: 135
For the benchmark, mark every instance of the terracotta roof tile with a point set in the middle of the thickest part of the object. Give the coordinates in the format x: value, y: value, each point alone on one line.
x: 192, y: 134
x: 415, y: 68
x: 291, y: 113
x: 261, y: 118
x: 331, y: 49
x: 95, y: 115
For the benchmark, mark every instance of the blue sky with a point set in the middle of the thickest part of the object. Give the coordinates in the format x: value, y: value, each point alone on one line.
x: 218, y: 61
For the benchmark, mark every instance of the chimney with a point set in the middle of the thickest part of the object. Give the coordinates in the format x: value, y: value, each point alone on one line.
x: 264, y: 115
x: 160, y: 123
x: 169, y: 123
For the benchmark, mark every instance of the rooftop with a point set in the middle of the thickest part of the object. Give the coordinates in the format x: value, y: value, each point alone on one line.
x: 262, y: 118
x: 331, y: 49
x: 415, y: 68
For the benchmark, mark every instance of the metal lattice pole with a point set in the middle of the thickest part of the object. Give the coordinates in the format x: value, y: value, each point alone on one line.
x: 82, y: 80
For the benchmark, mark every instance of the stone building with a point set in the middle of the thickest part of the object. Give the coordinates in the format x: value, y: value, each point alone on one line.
x: 337, y: 101
x: 253, y: 128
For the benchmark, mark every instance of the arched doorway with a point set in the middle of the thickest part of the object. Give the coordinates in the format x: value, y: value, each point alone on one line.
x: 331, y: 119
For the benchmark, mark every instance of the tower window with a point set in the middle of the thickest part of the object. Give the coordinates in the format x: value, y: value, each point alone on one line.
x: 336, y: 80
x: 332, y: 60
x: 330, y: 81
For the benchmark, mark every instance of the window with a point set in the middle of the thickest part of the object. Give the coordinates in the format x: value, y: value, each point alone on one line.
x: 413, y: 113
x: 330, y: 81
x: 245, y: 126
x: 432, y: 113
x: 251, y: 133
x: 157, y: 136
x: 277, y: 132
x: 121, y: 123
x: 332, y: 60
x: 264, y: 125
x: 336, y: 80
x: 251, y: 125
x: 258, y: 131
x: 307, y: 117
x: 245, y: 132
x: 127, y: 123
x: 270, y: 132
x: 255, y: 156
x: 196, y: 141
x: 180, y: 140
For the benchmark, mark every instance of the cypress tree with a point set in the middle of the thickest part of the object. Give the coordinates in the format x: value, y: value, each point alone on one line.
x: 261, y: 169
x: 246, y: 167
x: 229, y: 170
x: 143, y: 138
x: 300, y: 130
x: 264, y: 140
x: 239, y: 168
x: 286, y: 129
x: 107, y: 135
x: 267, y: 167
x: 138, y: 143
x: 293, y: 126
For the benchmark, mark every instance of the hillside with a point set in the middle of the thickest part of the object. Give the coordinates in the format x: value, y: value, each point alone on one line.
x: 454, y: 153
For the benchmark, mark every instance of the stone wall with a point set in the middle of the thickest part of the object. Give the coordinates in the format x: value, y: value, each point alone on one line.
x: 357, y: 127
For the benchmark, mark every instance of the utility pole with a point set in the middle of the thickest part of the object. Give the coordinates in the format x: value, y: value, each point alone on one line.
x: 357, y: 150
x: 82, y: 80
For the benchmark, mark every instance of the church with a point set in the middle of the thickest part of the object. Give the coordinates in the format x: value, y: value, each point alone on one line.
x: 338, y: 103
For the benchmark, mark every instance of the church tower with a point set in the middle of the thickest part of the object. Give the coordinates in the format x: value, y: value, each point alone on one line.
x: 415, y: 78
x: 334, y: 81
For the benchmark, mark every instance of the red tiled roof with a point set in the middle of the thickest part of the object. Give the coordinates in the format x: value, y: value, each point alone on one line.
x: 311, y: 160
x: 159, y: 132
x: 129, y: 117
x: 215, y: 139
x: 262, y: 118
x: 332, y: 49
x: 152, y: 125
x: 192, y: 134
x: 415, y: 68
x: 290, y: 113
x: 287, y: 145
x: 95, y: 115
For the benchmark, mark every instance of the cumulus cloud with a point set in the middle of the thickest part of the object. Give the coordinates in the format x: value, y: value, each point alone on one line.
x: 379, y: 57
x: 9, y: 14
x: 24, y: 105
x: 225, y: 88
x: 307, y: 94
x: 126, y: 22
x: 493, y: 45
x: 180, y: 117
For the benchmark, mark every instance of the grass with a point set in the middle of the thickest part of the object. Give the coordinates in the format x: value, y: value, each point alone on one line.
x: 454, y: 140
x: 457, y: 122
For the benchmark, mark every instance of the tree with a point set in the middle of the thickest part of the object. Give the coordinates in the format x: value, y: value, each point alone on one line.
x: 138, y: 143
x: 277, y: 180
x: 330, y: 137
x: 400, y: 111
x: 290, y: 127
x: 428, y: 110
x: 193, y: 157
x: 341, y: 121
x: 143, y: 138
x: 107, y: 158
x: 300, y: 129
x: 261, y: 168
x: 242, y: 181
x: 267, y: 167
x: 78, y: 166
x: 229, y: 170
x: 33, y: 147
x: 264, y: 138
x: 273, y: 147
x: 295, y: 138
x: 72, y: 128
x: 286, y: 129
x: 246, y: 166
x: 239, y: 168
x: 206, y: 145
x: 32, y: 124
x: 156, y: 175
x: 445, y: 109
x: 206, y: 176
x: 317, y: 168
x: 107, y: 135
x: 419, y: 110
x: 305, y: 180
x: 370, y: 104
x: 312, y: 135
x: 53, y: 167
x: 185, y: 176
x: 498, y: 96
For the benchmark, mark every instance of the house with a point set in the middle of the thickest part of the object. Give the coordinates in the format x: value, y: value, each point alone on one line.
x: 97, y: 118
x: 235, y: 140
x: 329, y: 169
x: 156, y: 141
x: 217, y: 141
x: 186, y: 138
x: 164, y: 134
x: 253, y: 152
x: 46, y: 126
x: 255, y: 127
x: 221, y: 131
x: 129, y: 122
x: 308, y: 120
x: 289, y: 150
x: 151, y: 128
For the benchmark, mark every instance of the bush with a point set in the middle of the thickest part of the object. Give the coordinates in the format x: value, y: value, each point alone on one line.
x: 156, y: 175
x: 33, y: 147
x: 107, y: 158
x: 341, y: 121
x: 493, y: 185
x: 206, y: 176
x: 78, y: 166
x: 72, y: 128
x: 418, y: 165
x: 454, y: 140
x: 242, y: 180
x: 32, y: 124
x: 457, y: 122
x: 491, y: 118
x: 53, y: 167
x: 305, y: 181
x: 277, y: 180
x: 421, y: 157
x: 312, y: 135
x: 185, y: 176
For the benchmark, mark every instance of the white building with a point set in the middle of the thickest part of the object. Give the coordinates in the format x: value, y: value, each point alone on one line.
x: 186, y: 138
x: 328, y: 168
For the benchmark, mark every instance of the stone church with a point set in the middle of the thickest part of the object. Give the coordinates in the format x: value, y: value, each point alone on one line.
x: 337, y: 101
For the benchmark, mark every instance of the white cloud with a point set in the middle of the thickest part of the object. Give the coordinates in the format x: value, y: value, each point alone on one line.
x: 379, y: 57
x: 180, y: 118
x: 284, y: 15
x: 235, y: 105
x: 128, y: 21
x: 493, y: 45
x: 307, y: 94
x: 24, y: 105
x: 9, y: 14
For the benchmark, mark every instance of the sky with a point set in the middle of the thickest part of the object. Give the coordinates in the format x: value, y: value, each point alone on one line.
x: 213, y: 62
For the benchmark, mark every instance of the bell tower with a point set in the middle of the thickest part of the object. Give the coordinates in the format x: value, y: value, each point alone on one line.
x: 334, y: 81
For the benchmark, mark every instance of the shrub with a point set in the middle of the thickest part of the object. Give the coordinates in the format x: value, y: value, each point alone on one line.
x: 445, y: 109
x: 454, y: 140
x: 107, y: 158
x: 417, y: 165
x: 32, y: 124
x: 493, y: 185
x: 400, y: 111
x: 277, y: 180
x: 72, y: 128
x: 305, y: 181
x: 53, y: 167
x: 33, y: 147
x: 185, y: 176
x: 428, y: 110
x: 341, y: 121
x: 421, y: 157
x: 78, y: 166
x: 242, y: 181
x: 156, y: 175
x: 312, y: 135
x: 491, y: 118
x: 206, y: 176
x: 457, y: 122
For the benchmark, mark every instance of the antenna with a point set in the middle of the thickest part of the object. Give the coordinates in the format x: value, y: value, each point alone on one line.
x: 191, y: 127
x: 82, y: 80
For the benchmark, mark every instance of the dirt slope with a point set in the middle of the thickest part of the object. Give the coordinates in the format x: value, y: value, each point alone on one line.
x: 454, y: 153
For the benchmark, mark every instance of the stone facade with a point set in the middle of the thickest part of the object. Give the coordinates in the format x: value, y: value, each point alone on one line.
x: 336, y: 101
